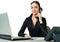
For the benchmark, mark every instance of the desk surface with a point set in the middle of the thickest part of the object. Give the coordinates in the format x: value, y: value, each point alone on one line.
x: 1, y: 40
x: 35, y: 40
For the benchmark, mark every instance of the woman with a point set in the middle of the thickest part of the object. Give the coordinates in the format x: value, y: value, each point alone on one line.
x: 35, y: 22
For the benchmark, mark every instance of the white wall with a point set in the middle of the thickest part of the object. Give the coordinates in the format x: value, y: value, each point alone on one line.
x: 18, y: 10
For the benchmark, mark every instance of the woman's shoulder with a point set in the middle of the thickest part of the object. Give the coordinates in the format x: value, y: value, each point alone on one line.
x: 27, y: 19
x: 43, y: 18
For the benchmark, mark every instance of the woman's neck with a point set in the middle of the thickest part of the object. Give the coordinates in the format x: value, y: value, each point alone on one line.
x: 34, y: 16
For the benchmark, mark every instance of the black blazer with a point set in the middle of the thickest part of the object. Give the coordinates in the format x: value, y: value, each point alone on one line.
x: 34, y: 31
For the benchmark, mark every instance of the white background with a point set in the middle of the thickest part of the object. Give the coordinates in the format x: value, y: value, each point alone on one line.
x: 18, y: 10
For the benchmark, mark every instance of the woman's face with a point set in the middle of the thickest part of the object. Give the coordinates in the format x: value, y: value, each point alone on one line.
x: 34, y: 8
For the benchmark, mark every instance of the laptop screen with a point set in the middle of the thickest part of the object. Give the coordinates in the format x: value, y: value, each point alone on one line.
x: 4, y: 24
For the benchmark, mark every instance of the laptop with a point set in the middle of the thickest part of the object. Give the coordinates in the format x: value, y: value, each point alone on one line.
x: 5, y: 30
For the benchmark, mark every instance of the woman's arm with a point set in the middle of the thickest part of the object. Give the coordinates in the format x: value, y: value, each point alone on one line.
x: 42, y: 22
x: 21, y: 32
x: 43, y: 26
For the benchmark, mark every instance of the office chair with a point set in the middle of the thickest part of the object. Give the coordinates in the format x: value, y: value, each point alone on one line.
x: 53, y: 34
x: 48, y: 28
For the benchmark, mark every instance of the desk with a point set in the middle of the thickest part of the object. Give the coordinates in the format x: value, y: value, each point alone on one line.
x: 39, y: 40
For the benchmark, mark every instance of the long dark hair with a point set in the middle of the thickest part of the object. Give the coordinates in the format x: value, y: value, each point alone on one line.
x: 40, y: 9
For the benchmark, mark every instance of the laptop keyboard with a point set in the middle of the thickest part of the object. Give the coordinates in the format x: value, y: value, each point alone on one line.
x: 5, y: 36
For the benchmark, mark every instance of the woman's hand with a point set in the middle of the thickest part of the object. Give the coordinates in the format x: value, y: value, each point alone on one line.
x: 40, y: 17
x: 27, y: 36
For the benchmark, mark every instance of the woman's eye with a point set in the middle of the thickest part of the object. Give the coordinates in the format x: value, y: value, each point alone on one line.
x: 31, y: 7
x: 36, y: 7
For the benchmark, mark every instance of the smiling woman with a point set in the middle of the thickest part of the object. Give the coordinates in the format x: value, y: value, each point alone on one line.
x: 35, y: 22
